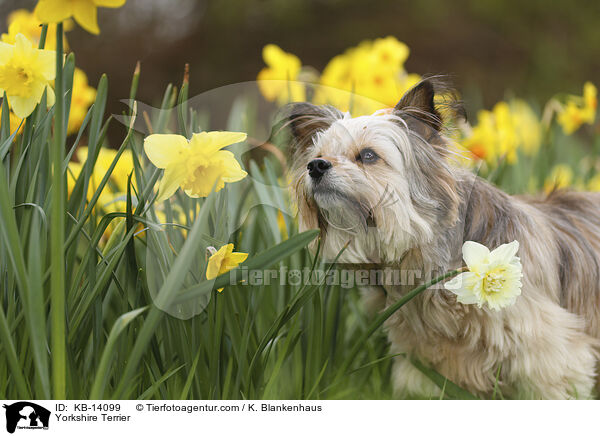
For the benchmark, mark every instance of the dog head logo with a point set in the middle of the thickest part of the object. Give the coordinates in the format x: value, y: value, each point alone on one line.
x: 26, y: 415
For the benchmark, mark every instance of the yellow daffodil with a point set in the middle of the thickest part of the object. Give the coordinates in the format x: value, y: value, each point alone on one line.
x: 390, y: 51
x: 25, y: 72
x: 117, y: 184
x: 594, y: 183
x: 367, y: 78
x: 25, y: 22
x: 197, y: 165
x: 85, y: 12
x: 223, y: 260
x: 493, y: 278
x: 501, y: 132
x: 278, y: 80
x: 560, y: 177
x: 579, y: 110
x: 83, y: 96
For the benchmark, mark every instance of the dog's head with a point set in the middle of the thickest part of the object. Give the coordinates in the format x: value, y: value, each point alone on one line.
x: 381, y: 181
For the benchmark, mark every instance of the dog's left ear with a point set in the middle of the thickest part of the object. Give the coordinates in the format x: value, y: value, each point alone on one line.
x: 418, y: 104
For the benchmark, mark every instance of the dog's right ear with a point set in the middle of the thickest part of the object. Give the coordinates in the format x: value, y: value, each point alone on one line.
x: 306, y: 119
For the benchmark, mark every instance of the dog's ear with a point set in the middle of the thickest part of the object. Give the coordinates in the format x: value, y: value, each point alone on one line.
x: 418, y: 104
x: 306, y: 119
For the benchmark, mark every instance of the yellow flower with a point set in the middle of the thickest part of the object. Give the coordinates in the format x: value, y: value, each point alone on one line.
x: 198, y: 165
x: 83, y: 97
x: 278, y: 80
x: 83, y: 11
x: 222, y: 261
x: 579, y: 110
x: 390, y: 51
x: 594, y: 183
x: 493, y: 278
x: 499, y: 133
x: 25, y: 22
x: 367, y: 78
x: 25, y: 72
x: 560, y: 177
x: 117, y: 184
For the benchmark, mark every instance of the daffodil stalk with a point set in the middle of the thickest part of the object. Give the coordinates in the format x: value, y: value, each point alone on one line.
x: 57, y: 233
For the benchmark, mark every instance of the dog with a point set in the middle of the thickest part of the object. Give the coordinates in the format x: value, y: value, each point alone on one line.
x: 385, y: 188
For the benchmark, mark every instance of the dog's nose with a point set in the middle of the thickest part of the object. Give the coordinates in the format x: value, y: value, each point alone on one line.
x: 318, y: 167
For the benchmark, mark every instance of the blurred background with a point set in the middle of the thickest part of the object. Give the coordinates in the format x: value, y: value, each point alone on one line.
x: 532, y: 49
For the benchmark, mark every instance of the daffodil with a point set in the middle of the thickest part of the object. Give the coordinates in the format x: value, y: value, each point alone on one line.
x: 223, y: 260
x: 561, y: 176
x: 493, y: 278
x: 25, y: 22
x: 25, y: 72
x: 83, y: 96
x: 501, y: 132
x: 579, y: 110
x: 367, y: 78
x: 85, y: 12
x: 197, y: 166
x: 279, y: 79
x: 116, y: 187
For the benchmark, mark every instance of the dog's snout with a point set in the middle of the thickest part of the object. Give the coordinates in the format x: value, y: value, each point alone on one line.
x: 318, y: 167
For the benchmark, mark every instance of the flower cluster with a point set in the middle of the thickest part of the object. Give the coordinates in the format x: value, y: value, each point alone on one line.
x: 363, y: 79
x: 373, y: 71
x: 278, y: 81
x: 499, y: 133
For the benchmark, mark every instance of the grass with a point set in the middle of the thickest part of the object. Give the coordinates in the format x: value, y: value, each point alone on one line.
x: 130, y: 316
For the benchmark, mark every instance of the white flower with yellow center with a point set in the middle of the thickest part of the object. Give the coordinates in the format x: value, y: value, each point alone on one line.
x: 493, y: 278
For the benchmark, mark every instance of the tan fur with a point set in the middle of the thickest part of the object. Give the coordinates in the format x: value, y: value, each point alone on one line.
x: 413, y: 210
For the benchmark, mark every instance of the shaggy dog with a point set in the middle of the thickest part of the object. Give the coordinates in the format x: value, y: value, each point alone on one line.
x: 386, y: 184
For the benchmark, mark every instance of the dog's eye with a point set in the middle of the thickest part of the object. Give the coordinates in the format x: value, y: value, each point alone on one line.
x: 367, y: 155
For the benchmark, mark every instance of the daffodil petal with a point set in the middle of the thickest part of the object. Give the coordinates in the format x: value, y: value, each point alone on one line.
x: 209, y: 143
x: 21, y: 106
x: 466, y: 287
x: 6, y: 51
x: 171, y: 181
x: 232, y: 170
x: 164, y: 150
x: 474, y: 253
x: 86, y: 14
x: 212, y: 269
x: 505, y: 252
x: 109, y: 3
x: 48, y: 64
x: 234, y: 259
x: 53, y: 11
x: 50, y: 96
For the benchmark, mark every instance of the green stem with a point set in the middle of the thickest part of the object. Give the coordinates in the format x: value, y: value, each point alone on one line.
x: 57, y: 233
x: 383, y: 316
x: 43, y: 36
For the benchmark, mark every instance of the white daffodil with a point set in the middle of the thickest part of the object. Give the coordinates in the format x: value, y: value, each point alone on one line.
x: 493, y: 278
